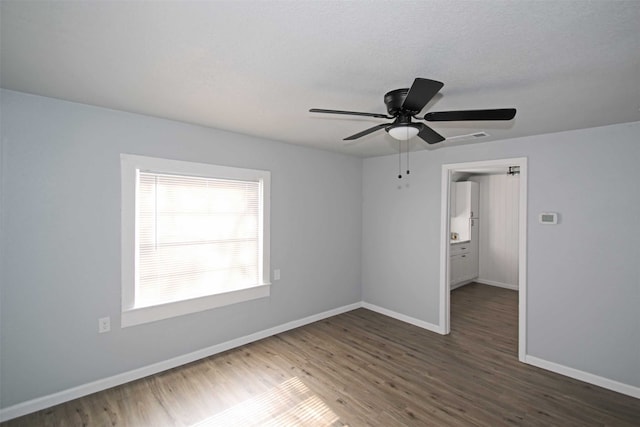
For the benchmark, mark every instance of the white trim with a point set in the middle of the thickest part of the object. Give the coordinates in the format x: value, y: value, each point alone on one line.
x: 445, y: 246
x: 522, y: 259
x: 577, y: 374
x: 137, y: 316
x: 125, y: 377
x: 404, y: 318
x: 47, y: 401
x: 445, y: 242
x: 497, y: 284
x: 130, y: 167
x: 461, y: 284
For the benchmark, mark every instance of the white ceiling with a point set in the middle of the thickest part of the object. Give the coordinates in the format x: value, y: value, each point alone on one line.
x: 256, y: 67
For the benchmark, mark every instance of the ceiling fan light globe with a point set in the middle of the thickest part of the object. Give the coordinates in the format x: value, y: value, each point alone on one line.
x: 403, y: 133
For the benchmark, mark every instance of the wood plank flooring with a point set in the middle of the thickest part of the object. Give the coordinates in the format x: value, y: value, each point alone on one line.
x: 361, y: 369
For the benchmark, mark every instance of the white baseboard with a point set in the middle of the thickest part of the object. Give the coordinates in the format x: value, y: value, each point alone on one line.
x: 125, y: 377
x: 113, y: 381
x: 407, y: 319
x: 461, y: 284
x: 607, y: 383
x: 498, y: 284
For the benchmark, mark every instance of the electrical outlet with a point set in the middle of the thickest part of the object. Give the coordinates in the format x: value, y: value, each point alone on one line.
x: 276, y: 274
x: 104, y: 325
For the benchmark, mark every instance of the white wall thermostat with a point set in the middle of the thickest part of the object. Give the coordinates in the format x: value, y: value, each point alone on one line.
x: 548, y: 218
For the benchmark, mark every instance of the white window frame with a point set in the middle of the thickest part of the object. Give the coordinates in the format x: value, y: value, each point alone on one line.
x: 130, y: 165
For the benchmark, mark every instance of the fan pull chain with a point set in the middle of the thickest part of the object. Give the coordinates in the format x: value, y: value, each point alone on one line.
x: 400, y: 161
x: 408, y: 172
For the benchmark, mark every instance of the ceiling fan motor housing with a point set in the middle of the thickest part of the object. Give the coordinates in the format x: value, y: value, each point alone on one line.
x: 394, y: 101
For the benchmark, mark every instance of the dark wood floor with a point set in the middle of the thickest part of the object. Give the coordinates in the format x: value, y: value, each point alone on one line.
x: 362, y: 368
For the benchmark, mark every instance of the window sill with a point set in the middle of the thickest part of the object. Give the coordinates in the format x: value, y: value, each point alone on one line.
x: 137, y: 316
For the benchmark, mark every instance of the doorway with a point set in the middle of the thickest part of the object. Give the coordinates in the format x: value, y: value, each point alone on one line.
x: 448, y: 172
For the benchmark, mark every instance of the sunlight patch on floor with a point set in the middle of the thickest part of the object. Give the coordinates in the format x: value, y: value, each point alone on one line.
x: 289, y: 404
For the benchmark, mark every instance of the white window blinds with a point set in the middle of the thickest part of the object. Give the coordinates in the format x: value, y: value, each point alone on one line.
x: 195, y: 237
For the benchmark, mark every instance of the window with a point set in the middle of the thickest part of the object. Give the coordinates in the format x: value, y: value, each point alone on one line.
x: 194, y: 236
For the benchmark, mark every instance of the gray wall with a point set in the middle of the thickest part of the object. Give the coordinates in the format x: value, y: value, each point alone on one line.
x: 583, y: 274
x: 61, y: 241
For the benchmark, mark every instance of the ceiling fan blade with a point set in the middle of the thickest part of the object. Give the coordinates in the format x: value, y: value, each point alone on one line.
x: 420, y: 93
x: 451, y: 116
x: 350, y: 113
x: 429, y: 135
x: 366, y: 132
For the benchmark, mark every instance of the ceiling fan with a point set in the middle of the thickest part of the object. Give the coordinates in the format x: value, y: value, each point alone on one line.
x: 405, y: 104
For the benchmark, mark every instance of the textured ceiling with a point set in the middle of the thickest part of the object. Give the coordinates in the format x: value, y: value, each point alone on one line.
x: 256, y: 67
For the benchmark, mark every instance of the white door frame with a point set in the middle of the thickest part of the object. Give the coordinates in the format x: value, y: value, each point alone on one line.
x: 447, y: 173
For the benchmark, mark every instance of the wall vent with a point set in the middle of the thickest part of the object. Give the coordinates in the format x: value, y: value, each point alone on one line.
x: 469, y: 136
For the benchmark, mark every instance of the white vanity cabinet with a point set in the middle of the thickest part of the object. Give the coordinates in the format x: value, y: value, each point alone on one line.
x: 463, y: 261
x: 459, y: 263
x: 464, y: 257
